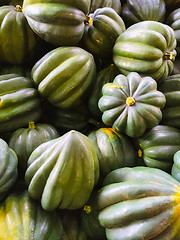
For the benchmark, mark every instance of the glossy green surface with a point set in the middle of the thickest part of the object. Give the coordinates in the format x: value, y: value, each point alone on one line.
x: 159, y: 145
x: 147, y: 47
x: 131, y: 104
x: 57, y: 22
x: 113, y: 150
x: 62, y: 172
x: 102, y: 30
x: 141, y: 10
x: 18, y: 43
x: 171, y: 112
x: 139, y: 203
x: 115, y: 4
x: 8, y: 168
x: 60, y: 81
x: 175, y: 171
x: 19, y: 102
x: 25, y: 140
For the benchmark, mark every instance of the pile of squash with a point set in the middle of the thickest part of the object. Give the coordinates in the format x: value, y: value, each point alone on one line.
x: 89, y: 119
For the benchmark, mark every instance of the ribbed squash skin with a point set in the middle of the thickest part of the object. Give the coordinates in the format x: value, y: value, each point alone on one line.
x: 175, y: 171
x: 72, y: 228
x: 64, y: 76
x: 8, y: 168
x: 173, y: 21
x: 131, y: 104
x: 140, y: 10
x: 147, y: 47
x: 62, y: 172
x: 159, y: 145
x: 58, y: 22
x: 102, y: 30
x: 114, y: 150
x: 104, y: 76
x: 89, y: 217
x: 171, y: 112
x: 140, y: 203
x: 19, y: 102
x: 115, y: 4
x: 18, y: 43
x: 25, y: 140
x: 23, y: 218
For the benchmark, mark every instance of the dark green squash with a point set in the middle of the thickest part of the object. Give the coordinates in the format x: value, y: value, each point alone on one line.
x: 173, y: 20
x: 19, y: 102
x: 114, y: 150
x: 64, y: 76
x: 8, y: 168
x: 62, y: 172
x: 140, y: 10
x: 23, y: 218
x: 175, y: 171
x: 25, y: 140
x: 131, y: 104
x: 147, y: 47
x: 106, y: 75
x: 171, y: 112
x: 140, y: 203
x: 58, y: 22
x: 158, y: 146
x: 89, y: 218
x: 102, y: 29
x: 18, y: 43
x: 115, y: 4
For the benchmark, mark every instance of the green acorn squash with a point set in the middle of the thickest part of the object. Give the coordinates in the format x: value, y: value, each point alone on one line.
x: 115, y: 4
x: 18, y: 43
x: 64, y: 76
x: 140, y: 10
x: 23, y: 218
x: 131, y: 104
x: 19, y: 102
x: 62, y: 172
x: 106, y: 75
x: 140, y: 203
x: 25, y: 140
x: 147, y: 47
x: 57, y: 22
x: 158, y: 146
x: 171, y: 112
x: 114, y: 150
x: 8, y: 168
x: 175, y: 171
x: 102, y: 29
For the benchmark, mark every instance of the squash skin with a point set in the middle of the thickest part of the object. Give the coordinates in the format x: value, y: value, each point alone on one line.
x: 19, y: 104
x: 101, y: 31
x: 142, y: 10
x: 23, y: 218
x: 60, y: 81
x: 173, y: 21
x: 25, y: 140
x: 131, y: 118
x: 104, y: 76
x: 139, y: 203
x: 62, y: 175
x: 175, y: 171
x: 111, y: 150
x: 8, y: 168
x: 148, y: 48
x: 115, y: 4
x: 57, y: 22
x: 171, y: 112
x: 14, y: 32
x: 158, y: 146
